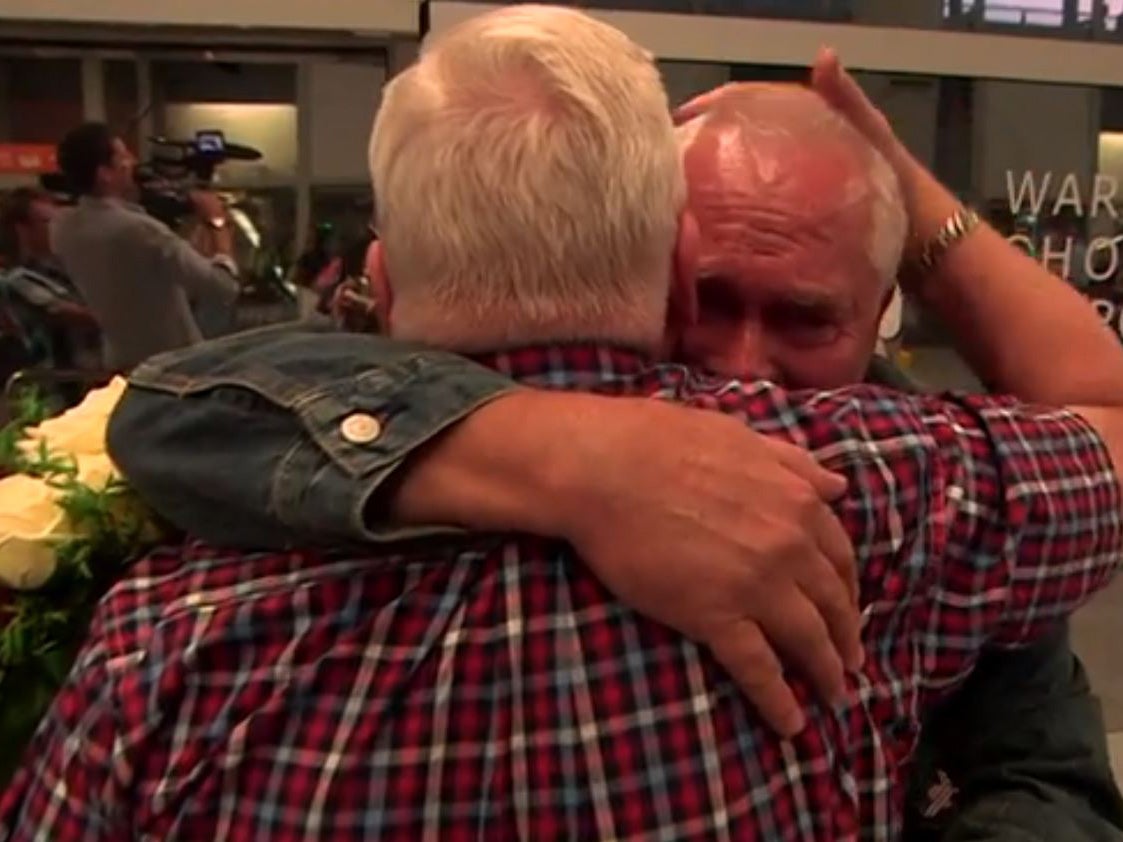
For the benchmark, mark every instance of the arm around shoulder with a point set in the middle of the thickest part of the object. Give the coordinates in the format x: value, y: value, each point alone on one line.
x: 1044, y: 527
x: 250, y: 440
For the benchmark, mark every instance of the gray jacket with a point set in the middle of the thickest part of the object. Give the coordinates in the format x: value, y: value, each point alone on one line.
x: 137, y: 277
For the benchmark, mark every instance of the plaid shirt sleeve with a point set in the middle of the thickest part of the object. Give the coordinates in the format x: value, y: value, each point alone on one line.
x: 69, y: 784
x: 977, y: 521
x: 1050, y: 534
x: 983, y: 521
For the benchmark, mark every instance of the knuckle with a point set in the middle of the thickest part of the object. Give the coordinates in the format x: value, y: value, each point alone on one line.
x: 788, y: 543
x: 805, y: 635
x: 805, y: 500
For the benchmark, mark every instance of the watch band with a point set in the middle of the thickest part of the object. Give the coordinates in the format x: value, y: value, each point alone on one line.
x: 955, y: 228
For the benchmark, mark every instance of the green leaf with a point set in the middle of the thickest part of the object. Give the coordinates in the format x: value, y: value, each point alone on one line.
x: 41, y: 630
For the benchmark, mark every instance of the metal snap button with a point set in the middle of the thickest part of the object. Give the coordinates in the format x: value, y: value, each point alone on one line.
x: 360, y: 428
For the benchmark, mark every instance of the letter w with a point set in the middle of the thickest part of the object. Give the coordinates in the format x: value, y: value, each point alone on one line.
x: 1029, y: 185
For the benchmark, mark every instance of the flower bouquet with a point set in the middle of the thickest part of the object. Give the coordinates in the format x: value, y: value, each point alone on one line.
x: 69, y: 526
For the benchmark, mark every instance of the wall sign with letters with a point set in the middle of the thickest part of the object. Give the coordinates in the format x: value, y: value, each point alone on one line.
x: 1093, y: 264
x: 27, y: 158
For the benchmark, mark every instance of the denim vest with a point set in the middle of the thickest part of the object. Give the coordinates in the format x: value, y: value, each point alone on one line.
x: 250, y: 441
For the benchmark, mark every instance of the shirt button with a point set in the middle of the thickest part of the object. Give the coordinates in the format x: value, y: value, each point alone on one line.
x: 360, y: 428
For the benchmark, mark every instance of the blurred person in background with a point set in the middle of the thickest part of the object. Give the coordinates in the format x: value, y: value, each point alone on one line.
x: 137, y: 276
x: 47, y: 318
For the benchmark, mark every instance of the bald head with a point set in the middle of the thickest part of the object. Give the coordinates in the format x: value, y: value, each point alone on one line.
x: 784, y: 150
x: 802, y: 227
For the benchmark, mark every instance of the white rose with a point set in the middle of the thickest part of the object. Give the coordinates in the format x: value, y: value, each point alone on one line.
x: 30, y: 524
x: 96, y: 470
x: 81, y: 429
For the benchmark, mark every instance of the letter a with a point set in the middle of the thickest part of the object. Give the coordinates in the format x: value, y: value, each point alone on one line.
x: 1069, y: 196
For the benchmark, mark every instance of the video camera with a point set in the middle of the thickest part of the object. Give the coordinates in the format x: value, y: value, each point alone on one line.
x: 179, y: 166
x: 175, y: 169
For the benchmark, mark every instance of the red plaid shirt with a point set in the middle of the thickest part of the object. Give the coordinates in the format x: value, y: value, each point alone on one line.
x: 488, y: 687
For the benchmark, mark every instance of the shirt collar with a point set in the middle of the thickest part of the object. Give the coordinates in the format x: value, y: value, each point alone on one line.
x: 577, y: 365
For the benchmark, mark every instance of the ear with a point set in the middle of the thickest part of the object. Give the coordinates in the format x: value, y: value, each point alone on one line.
x: 890, y: 314
x: 380, y: 284
x: 682, y: 301
x: 102, y: 176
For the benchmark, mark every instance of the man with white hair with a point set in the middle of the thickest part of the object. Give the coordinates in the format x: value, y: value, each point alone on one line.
x: 478, y: 686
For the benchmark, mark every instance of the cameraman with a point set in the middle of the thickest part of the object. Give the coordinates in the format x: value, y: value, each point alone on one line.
x: 134, y: 272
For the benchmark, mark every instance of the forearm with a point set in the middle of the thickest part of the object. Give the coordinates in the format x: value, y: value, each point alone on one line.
x: 495, y: 471
x: 210, y: 279
x: 1023, y: 330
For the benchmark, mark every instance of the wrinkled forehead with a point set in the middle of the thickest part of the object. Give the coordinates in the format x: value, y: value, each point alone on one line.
x: 814, y: 178
x: 779, y: 214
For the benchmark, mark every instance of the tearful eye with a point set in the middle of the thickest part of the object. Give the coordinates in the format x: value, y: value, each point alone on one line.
x: 806, y: 325
x: 717, y: 298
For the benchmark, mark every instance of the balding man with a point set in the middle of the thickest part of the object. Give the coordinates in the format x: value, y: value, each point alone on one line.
x: 487, y: 685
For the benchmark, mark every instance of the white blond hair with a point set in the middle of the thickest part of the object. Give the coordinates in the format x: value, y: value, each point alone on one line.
x: 765, y: 112
x: 528, y: 185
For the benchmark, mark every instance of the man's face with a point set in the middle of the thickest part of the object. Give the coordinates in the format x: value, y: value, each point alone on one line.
x: 118, y: 178
x: 35, y: 231
x: 785, y: 287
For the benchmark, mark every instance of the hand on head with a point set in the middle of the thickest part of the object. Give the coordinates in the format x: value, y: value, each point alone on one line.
x: 831, y: 81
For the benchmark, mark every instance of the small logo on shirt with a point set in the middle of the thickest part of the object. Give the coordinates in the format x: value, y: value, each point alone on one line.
x: 941, y: 795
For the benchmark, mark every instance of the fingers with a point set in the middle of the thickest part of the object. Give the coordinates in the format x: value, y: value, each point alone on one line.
x: 693, y: 108
x: 825, y: 73
x: 836, y: 547
x: 827, y: 484
x: 834, y: 84
x: 832, y: 589
x: 796, y: 627
x: 839, y: 593
x: 743, y: 651
x: 702, y: 103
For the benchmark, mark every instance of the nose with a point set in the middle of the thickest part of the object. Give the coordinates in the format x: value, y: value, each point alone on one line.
x: 749, y: 355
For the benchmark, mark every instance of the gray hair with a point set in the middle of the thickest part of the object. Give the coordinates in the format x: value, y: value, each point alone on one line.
x: 529, y: 184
